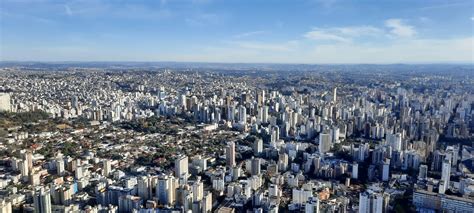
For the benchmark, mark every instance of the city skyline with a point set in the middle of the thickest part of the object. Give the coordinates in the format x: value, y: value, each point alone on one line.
x: 236, y: 106
x: 309, y: 32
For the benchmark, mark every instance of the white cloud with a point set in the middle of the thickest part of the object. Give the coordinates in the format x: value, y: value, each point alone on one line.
x: 472, y: 18
x: 400, y: 51
x: 400, y: 29
x: 342, y: 34
x: 325, y: 36
x: 264, y: 46
x: 359, y: 30
x: 247, y: 34
x: 392, y: 51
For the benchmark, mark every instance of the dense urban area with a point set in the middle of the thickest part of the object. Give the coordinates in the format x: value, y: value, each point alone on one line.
x: 228, y: 138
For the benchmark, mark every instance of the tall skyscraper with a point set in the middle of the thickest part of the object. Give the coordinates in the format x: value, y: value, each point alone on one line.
x: 181, y: 166
x: 242, y: 114
x: 324, y: 142
x: 386, y: 170
x: 355, y: 171
x: 373, y: 202
x: 395, y: 141
x: 198, y: 190
x: 79, y: 173
x: 364, y: 203
x: 445, y: 176
x: 60, y: 167
x: 166, y: 190
x: 42, y: 201
x: 28, y: 157
x: 144, y: 187
x: 231, y: 113
x: 5, y: 206
x: 257, y: 147
x: 5, y: 104
x: 255, y: 164
x: 230, y: 154
x: 334, y: 94
x: 207, y: 203
x: 265, y: 114
x: 106, y: 168
x: 422, y: 174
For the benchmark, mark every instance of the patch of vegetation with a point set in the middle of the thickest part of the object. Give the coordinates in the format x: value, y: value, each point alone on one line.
x: 149, y: 125
x: 10, y: 119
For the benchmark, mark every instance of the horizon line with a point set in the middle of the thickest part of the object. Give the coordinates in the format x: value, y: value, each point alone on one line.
x: 243, y: 63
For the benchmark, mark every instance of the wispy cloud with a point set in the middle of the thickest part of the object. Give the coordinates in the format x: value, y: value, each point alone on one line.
x: 7, y: 15
x: 359, y: 31
x: 326, y: 3
x: 265, y: 46
x: 248, y: 34
x: 447, y: 5
x: 324, y: 35
x: 129, y: 10
x: 399, y: 28
x: 398, y: 51
x: 472, y: 18
x: 342, y: 34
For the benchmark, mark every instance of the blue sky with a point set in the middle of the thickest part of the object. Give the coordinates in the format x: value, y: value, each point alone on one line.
x: 273, y: 31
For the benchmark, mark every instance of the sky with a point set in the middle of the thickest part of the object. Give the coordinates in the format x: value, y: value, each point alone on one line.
x: 239, y: 31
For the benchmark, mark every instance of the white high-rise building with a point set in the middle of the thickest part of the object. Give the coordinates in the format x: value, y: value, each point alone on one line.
x: 265, y: 114
x: 79, y: 173
x: 300, y: 196
x: 207, y: 203
x: 386, y: 170
x: 283, y: 162
x: 445, y: 176
x: 257, y: 147
x: 231, y: 113
x: 42, y: 201
x: 373, y: 202
x: 355, y: 171
x: 181, y: 166
x: 5, y: 206
x: 364, y: 203
x: 335, y: 134
x: 107, y: 168
x: 60, y: 168
x: 324, y: 143
x: 423, y: 173
x: 395, y: 141
x: 242, y: 114
x: 230, y: 154
x: 23, y: 167
x: 144, y: 187
x: 165, y: 190
x: 5, y: 104
x: 255, y: 164
x: 198, y: 190
x: 28, y: 157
